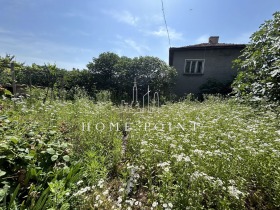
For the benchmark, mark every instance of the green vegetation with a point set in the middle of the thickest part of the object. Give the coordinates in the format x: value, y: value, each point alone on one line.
x: 259, y: 73
x: 76, y: 155
x: 91, y: 154
x: 108, y: 72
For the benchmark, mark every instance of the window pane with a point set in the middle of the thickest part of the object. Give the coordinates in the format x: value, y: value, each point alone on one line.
x: 199, y: 67
x: 193, y: 66
x: 187, y: 67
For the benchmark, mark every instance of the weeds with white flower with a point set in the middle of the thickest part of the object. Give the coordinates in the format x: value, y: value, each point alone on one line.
x: 234, y: 192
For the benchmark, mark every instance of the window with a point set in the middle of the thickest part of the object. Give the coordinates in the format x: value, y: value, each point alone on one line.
x: 194, y: 66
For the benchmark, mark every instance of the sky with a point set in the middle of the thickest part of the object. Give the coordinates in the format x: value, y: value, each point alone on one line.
x: 69, y: 33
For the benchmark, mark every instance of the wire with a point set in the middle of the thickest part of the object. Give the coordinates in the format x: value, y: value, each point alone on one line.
x: 163, y: 13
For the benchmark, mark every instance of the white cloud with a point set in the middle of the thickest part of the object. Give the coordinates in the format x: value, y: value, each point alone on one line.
x: 202, y: 39
x: 123, y: 16
x: 135, y: 46
x: 173, y: 34
x: 4, y: 31
x: 129, y: 47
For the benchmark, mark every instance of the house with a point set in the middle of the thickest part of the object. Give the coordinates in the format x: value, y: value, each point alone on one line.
x: 200, y: 63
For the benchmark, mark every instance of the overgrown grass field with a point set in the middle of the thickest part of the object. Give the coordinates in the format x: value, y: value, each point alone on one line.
x: 218, y: 154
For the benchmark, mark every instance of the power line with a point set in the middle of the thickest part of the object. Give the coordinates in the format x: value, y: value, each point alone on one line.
x: 163, y: 13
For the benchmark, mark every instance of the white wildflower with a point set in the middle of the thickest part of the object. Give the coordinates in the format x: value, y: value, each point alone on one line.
x: 163, y: 164
x: 119, y: 199
x: 219, y: 182
x: 100, y: 183
x: 97, y: 197
x: 144, y: 142
x: 231, y: 181
x: 105, y: 192
x: 233, y: 191
x: 80, y: 182
x: 166, y: 169
x: 155, y: 203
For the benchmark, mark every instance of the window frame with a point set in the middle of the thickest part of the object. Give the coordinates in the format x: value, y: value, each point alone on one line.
x: 196, y: 66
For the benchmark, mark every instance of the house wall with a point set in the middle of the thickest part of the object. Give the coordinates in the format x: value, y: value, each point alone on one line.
x: 218, y: 65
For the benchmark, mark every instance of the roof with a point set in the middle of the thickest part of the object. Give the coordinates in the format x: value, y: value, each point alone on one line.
x: 203, y: 46
x: 209, y: 45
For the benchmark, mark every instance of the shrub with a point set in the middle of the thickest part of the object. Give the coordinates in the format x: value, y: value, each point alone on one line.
x: 259, y: 65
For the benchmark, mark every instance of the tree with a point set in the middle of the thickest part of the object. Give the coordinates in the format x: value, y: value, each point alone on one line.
x: 103, y: 69
x: 5, y: 68
x: 116, y: 74
x: 259, y: 65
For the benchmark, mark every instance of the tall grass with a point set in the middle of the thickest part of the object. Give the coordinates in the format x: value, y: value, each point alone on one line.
x: 218, y: 154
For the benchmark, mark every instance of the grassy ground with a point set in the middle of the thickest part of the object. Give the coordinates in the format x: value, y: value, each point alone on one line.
x: 189, y: 155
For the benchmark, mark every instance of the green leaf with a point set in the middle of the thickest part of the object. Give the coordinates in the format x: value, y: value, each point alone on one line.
x: 54, y: 157
x: 3, y: 117
x: 3, y: 192
x: 51, y: 133
x: 65, y: 206
x: 14, y: 196
x: 51, y: 151
x: 13, y: 139
x: 7, y: 92
x: 31, y: 134
x: 66, y: 158
x: 2, y: 173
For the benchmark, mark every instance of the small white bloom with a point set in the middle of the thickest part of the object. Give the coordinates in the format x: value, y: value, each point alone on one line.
x: 166, y: 169
x: 231, y: 181
x: 155, y: 203
x: 119, y: 199
x: 97, y: 197
x: 233, y: 191
x: 144, y: 142
x: 100, y: 183
x: 105, y: 192
x: 187, y: 159
x: 80, y: 182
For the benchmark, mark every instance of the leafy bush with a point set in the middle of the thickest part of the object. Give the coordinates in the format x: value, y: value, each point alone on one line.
x: 4, y: 92
x: 259, y: 65
x: 213, y: 86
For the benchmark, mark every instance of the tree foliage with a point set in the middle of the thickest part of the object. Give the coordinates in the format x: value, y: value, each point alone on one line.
x: 108, y: 72
x: 259, y: 65
x: 116, y: 74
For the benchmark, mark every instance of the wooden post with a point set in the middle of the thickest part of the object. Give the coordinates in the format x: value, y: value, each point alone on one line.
x: 13, y: 78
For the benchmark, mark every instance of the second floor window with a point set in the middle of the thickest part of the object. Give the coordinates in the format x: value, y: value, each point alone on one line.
x: 194, y: 66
